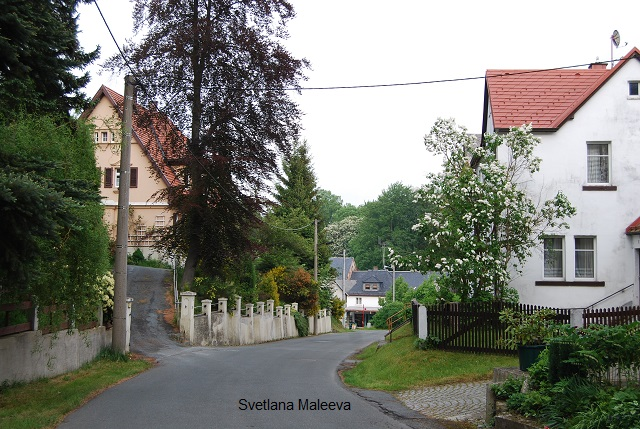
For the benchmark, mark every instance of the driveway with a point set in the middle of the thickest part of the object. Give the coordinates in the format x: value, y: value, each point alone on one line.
x: 284, y: 384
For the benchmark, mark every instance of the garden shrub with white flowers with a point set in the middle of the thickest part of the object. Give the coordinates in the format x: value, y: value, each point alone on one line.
x: 483, y: 224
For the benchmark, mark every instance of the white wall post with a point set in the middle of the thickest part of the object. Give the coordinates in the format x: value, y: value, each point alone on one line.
x: 187, y: 322
x: 423, y: 331
x: 128, y: 326
x: 222, y: 305
x: 260, y: 308
x: 287, y: 309
x: 239, y: 306
x: 249, y: 310
x: 295, y: 306
x: 206, y: 309
x: 270, y: 303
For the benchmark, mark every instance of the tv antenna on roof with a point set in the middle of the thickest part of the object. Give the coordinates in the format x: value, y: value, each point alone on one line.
x: 615, y: 41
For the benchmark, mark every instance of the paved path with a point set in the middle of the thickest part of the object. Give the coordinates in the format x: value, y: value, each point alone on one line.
x: 461, y: 401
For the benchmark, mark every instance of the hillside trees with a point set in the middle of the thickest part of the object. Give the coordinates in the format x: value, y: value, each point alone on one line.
x: 387, y: 222
x: 41, y: 59
x: 220, y: 71
x: 482, y: 223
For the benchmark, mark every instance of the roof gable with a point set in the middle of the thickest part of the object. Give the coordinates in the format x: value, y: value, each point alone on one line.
x: 159, y: 139
x: 544, y: 98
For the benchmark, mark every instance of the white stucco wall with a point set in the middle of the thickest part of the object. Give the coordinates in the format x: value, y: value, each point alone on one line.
x: 609, y: 116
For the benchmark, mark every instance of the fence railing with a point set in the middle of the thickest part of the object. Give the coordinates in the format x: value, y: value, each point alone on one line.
x: 25, y: 316
x: 476, y: 327
x: 611, y: 316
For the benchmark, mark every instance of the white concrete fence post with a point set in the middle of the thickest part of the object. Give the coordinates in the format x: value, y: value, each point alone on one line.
x: 295, y: 306
x: 187, y: 321
x: 222, y: 305
x: 423, y: 329
x: 238, y: 306
x: 270, y: 303
x: 287, y: 309
x: 249, y: 310
x: 206, y: 309
x: 127, y: 340
x: 260, y: 308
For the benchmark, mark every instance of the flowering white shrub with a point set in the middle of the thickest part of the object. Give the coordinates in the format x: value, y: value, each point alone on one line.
x: 105, y: 286
x: 482, y: 224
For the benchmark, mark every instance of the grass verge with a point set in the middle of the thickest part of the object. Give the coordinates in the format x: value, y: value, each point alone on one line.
x: 400, y: 366
x: 44, y: 403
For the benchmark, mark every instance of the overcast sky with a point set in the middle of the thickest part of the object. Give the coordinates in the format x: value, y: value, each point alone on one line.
x: 363, y: 140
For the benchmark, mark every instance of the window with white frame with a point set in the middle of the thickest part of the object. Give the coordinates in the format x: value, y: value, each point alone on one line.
x: 159, y: 221
x: 371, y: 286
x: 585, y: 250
x: 358, y: 300
x: 553, y: 257
x: 96, y: 137
x: 105, y: 136
x: 598, y: 162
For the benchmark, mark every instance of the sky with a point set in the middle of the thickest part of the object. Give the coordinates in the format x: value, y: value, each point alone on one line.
x: 363, y: 140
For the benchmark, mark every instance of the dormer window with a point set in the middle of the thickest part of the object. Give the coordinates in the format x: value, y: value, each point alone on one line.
x: 633, y: 89
x: 370, y: 286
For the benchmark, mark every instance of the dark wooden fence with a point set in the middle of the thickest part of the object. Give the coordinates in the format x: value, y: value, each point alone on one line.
x: 611, y: 316
x: 24, y: 316
x: 476, y: 327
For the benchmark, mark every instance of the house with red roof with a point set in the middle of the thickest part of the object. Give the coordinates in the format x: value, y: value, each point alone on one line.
x: 157, y: 149
x: 588, y: 121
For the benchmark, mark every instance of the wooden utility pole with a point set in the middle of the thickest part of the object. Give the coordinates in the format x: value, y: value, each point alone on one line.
x: 119, y: 336
x: 315, y: 250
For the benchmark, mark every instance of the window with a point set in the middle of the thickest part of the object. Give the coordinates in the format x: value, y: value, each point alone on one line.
x: 553, y: 257
x: 105, y: 137
x: 633, y: 89
x: 109, y: 178
x: 370, y: 286
x: 585, y: 257
x: 159, y: 222
x: 358, y: 300
x: 598, y: 163
x: 96, y: 137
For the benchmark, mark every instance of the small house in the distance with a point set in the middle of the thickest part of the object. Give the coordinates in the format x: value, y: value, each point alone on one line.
x: 363, y: 289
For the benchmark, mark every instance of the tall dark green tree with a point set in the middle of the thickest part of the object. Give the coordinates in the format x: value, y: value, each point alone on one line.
x: 220, y: 71
x: 387, y: 222
x: 289, y: 233
x: 41, y: 61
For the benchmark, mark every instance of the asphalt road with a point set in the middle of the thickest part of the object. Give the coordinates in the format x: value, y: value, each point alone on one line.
x: 272, y: 385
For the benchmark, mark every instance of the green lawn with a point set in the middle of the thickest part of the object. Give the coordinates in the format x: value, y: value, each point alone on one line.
x: 400, y: 366
x: 44, y: 403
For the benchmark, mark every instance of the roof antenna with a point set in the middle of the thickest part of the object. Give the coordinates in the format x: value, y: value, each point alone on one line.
x: 615, y: 41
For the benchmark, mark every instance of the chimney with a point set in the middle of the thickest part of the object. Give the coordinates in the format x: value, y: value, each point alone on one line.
x: 597, y: 66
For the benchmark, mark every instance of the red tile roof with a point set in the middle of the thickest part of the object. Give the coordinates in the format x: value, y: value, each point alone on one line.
x: 545, y: 98
x: 161, y: 141
x: 634, y: 228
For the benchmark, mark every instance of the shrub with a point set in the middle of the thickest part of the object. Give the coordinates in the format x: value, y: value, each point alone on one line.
x: 302, y: 323
x: 431, y: 342
x: 508, y: 388
x: 379, y: 320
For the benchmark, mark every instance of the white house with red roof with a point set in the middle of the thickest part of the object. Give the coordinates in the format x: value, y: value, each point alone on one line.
x: 588, y: 121
x: 156, y: 146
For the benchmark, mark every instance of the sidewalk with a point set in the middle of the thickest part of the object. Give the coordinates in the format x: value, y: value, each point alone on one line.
x: 461, y: 401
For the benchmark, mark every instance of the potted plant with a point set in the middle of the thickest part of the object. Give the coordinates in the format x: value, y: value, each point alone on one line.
x: 528, y: 333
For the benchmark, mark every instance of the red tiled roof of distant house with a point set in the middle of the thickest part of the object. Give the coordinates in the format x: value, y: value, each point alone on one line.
x: 544, y: 98
x: 161, y: 141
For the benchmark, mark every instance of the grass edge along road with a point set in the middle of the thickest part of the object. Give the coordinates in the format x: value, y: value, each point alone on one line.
x: 44, y: 403
x: 399, y: 365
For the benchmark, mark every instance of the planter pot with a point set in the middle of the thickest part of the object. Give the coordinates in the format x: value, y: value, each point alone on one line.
x: 528, y: 355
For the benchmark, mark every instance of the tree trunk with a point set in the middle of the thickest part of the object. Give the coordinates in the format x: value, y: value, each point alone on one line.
x: 190, y: 265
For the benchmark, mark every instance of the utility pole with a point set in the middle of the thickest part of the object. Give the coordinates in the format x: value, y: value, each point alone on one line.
x: 119, y: 341
x: 315, y: 250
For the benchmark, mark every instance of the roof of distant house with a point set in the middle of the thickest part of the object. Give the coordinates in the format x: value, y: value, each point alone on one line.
x: 161, y: 141
x: 544, y: 98
x: 384, y: 279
